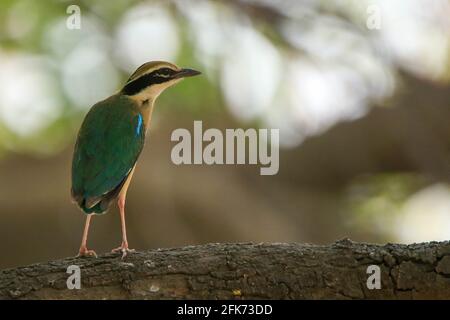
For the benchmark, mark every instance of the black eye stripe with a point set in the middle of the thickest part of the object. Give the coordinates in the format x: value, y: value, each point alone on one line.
x: 142, y: 82
x: 165, y: 71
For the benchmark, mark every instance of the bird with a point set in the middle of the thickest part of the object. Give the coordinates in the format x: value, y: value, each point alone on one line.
x: 110, y: 140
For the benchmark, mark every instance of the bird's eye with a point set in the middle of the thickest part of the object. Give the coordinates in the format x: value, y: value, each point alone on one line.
x: 164, y: 72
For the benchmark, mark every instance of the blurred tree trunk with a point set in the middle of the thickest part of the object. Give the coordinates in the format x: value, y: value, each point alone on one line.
x: 244, y: 271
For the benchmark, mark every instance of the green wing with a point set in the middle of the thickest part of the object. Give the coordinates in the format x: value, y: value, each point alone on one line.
x: 108, y: 146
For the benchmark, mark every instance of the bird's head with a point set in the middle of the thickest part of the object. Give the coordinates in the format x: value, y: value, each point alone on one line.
x: 151, y: 78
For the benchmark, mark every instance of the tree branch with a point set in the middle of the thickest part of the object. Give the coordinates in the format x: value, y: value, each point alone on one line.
x: 245, y: 270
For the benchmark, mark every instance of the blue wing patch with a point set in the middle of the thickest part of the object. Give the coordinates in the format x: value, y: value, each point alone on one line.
x: 139, y: 125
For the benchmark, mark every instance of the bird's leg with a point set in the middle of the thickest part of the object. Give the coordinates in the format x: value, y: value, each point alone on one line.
x: 124, y: 247
x: 84, y: 251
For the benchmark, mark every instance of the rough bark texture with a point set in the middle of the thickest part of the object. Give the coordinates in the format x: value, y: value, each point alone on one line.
x: 244, y: 271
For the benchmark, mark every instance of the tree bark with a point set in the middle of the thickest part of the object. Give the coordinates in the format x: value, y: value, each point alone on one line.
x: 244, y: 271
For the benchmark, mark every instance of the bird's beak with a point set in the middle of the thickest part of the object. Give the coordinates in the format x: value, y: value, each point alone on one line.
x: 184, y: 73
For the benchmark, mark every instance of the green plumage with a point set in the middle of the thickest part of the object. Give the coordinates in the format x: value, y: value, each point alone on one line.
x: 109, y: 143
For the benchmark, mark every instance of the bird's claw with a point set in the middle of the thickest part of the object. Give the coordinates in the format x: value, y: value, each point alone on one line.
x: 85, y: 252
x: 124, y: 249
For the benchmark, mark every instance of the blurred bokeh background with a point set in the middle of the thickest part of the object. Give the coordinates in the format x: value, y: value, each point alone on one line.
x: 360, y: 91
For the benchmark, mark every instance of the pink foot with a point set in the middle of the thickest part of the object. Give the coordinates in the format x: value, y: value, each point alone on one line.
x: 85, y: 252
x: 124, y: 249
